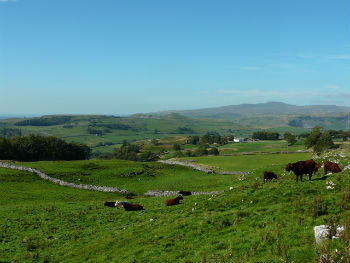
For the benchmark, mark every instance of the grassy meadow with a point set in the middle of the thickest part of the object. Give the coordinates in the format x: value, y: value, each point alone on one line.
x: 253, y: 222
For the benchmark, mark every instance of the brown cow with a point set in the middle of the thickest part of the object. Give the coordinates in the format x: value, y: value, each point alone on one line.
x: 303, y: 167
x: 269, y: 176
x: 174, y: 201
x: 132, y: 207
x: 332, y: 167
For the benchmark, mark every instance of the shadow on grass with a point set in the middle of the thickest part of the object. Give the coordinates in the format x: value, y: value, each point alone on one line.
x: 320, y: 178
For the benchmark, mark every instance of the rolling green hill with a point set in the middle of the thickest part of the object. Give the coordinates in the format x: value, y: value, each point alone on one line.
x: 106, y: 132
x: 103, y: 133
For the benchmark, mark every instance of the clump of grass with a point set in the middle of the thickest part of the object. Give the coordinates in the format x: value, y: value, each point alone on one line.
x: 345, y: 201
x: 317, y: 207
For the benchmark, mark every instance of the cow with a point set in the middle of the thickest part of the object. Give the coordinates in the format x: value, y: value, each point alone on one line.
x: 115, y: 204
x: 174, y: 201
x: 332, y: 167
x: 132, y: 207
x: 109, y: 204
x: 269, y: 176
x: 121, y: 203
x: 300, y: 168
x: 185, y: 192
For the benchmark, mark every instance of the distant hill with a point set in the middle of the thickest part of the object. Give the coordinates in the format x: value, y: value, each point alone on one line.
x: 276, y: 114
x: 232, y: 112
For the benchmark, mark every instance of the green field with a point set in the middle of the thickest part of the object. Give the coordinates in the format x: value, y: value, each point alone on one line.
x: 249, y: 162
x: 260, y: 147
x: 254, y: 222
x: 113, y: 131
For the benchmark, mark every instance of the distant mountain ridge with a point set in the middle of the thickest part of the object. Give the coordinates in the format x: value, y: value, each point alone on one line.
x: 233, y: 112
x: 274, y: 114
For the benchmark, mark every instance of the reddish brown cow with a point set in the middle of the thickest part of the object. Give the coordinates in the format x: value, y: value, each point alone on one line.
x: 174, y: 201
x: 303, y: 167
x: 269, y: 176
x: 331, y: 167
x: 132, y: 207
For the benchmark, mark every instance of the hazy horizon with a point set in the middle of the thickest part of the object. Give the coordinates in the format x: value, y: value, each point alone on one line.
x: 126, y: 57
x: 20, y: 115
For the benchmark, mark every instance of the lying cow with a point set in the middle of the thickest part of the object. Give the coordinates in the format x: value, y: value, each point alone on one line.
x: 331, y: 167
x: 174, y: 201
x: 185, y: 192
x: 109, y: 204
x: 300, y: 168
x: 269, y: 176
x: 132, y: 207
x: 115, y: 204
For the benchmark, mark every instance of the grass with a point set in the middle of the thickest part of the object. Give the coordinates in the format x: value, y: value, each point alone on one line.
x: 249, y: 162
x: 260, y: 146
x: 254, y: 222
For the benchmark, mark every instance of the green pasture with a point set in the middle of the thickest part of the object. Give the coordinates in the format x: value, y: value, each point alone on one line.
x: 260, y: 146
x: 253, y: 222
x: 248, y: 162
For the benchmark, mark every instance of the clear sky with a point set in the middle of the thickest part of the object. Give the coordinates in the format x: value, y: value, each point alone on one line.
x: 128, y: 56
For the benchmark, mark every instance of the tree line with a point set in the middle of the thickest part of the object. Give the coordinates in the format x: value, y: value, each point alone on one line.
x: 40, y: 148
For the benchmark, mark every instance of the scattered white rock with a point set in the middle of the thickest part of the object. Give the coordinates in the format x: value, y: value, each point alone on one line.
x: 322, y: 233
x: 330, y: 183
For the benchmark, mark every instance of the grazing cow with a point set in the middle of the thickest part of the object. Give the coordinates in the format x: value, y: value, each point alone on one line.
x: 110, y: 204
x: 303, y: 167
x: 269, y: 176
x: 317, y: 166
x: 132, y: 207
x: 331, y: 167
x: 174, y: 201
x: 185, y: 192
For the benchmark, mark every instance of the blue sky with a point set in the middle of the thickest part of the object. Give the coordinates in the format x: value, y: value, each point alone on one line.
x: 122, y: 57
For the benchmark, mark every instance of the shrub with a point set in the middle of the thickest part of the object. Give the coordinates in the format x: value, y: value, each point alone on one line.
x: 213, y: 151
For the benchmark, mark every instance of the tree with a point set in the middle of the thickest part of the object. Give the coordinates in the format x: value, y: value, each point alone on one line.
x: 177, y: 147
x: 290, y: 138
x: 324, y: 142
x: 155, y: 142
x: 265, y: 135
x: 213, y: 151
x: 201, y: 150
x: 319, y: 141
x: 193, y: 140
x: 313, y: 137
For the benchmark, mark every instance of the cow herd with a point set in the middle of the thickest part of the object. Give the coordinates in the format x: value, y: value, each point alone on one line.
x: 135, y: 207
x: 308, y: 167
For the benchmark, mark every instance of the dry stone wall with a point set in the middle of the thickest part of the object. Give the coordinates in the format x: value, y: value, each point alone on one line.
x: 63, y: 183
